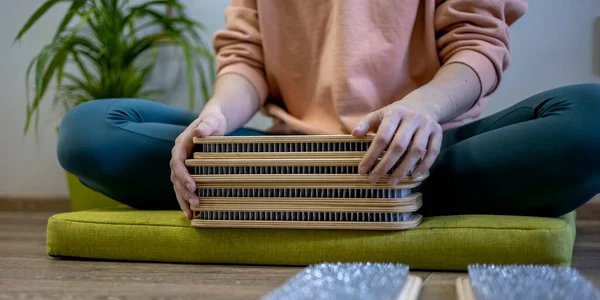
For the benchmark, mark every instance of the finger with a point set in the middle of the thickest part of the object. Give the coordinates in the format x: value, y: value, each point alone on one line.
x: 203, y: 129
x: 188, y: 186
x: 433, y: 150
x: 183, y: 145
x: 186, y: 195
x: 398, y: 147
x: 382, y: 138
x: 372, y: 120
x: 207, y: 126
x: 184, y: 205
x: 369, y: 123
x: 183, y: 175
x: 180, y: 173
x: 416, y: 152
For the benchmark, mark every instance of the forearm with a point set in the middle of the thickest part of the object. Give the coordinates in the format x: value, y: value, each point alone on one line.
x: 235, y: 98
x: 452, y: 91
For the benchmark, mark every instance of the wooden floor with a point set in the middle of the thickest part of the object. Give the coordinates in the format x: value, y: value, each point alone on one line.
x: 26, y: 272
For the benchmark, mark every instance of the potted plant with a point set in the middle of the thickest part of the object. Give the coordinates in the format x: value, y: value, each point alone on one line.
x: 106, y: 49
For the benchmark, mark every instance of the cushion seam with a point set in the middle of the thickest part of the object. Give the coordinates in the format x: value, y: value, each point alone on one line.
x: 412, y: 229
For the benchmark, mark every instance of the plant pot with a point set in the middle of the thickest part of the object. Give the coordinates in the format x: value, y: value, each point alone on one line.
x: 84, y: 198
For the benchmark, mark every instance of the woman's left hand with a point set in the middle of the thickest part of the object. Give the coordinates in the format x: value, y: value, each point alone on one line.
x: 406, y: 133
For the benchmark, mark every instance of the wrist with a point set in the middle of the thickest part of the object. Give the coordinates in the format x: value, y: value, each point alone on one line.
x: 213, y: 106
x: 427, y: 99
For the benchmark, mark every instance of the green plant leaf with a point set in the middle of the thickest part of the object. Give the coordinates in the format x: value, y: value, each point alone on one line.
x: 37, y: 123
x: 204, y: 85
x: 80, y: 84
x: 124, y: 4
x: 149, y: 93
x: 141, y: 45
x: 72, y: 11
x: 37, y: 15
x: 92, y: 24
x: 40, y: 66
x: 190, y: 75
x: 157, y: 16
x: 27, y: 99
x: 85, y: 43
x: 45, y: 72
x: 80, y: 24
x: 169, y: 3
x: 59, y: 73
x: 114, y: 59
x: 82, y: 68
x: 40, y: 83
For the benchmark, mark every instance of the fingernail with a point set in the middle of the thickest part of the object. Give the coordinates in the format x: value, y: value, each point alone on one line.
x: 362, y: 170
x: 201, y: 130
x: 186, y: 215
x: 416, y: 174
x: 374, y: 178
x: 359, y: 129
x: 393, y: 181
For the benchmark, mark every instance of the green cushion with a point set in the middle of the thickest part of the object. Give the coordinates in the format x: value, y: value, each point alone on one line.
x: 439, y: 243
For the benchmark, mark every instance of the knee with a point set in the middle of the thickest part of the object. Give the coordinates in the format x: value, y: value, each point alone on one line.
x: 578, y: 109
x: 77, y: 136
x: 584, y: 98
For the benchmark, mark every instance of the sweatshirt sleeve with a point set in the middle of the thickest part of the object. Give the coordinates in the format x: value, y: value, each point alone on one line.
x: 238, y: 47
x: 476, y: 33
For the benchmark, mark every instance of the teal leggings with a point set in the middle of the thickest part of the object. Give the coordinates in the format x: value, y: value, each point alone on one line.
x: 540, y: 157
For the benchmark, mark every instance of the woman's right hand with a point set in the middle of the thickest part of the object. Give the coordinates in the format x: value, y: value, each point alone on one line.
x: 208, y: 124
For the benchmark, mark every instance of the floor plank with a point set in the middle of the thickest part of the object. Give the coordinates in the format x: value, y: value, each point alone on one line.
x: 26, y: 272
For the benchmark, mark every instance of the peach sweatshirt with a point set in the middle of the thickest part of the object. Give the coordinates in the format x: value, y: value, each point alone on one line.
x: 319, y: 66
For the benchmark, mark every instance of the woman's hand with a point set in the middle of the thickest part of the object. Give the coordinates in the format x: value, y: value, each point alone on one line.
x: 233, y: 103
x: 410, y: 129
x: 406, y: 133
x: 208, y: 124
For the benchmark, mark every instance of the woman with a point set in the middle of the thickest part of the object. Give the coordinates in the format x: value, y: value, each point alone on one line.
x: 409, y: 71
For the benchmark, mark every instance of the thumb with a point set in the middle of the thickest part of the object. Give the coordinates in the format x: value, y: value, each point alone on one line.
x: 363, y: 126
x: 205, y: 127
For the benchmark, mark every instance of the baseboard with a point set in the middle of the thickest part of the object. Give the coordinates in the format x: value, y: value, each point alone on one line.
x: 590, y: 211
x: 34, y: 204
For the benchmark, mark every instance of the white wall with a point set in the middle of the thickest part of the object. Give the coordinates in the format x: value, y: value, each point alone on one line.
x: 25, y: 168
x: 552, y: 45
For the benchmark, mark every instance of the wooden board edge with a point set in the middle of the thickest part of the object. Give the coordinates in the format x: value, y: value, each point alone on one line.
x: 463, y: 289
x: 407, y: 200
x: 412, y: 288
x: 278, y: 155
x: 307, y: 185
x: 309, y: 208
x: 321, y: 225
x: 282, y: 139
x: 298, y: 178
x: 270, y: 161
x: 408, y: 209
x: 274, y: 162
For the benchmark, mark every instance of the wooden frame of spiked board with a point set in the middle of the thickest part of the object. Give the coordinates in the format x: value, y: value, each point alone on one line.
x: 216, y: 161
